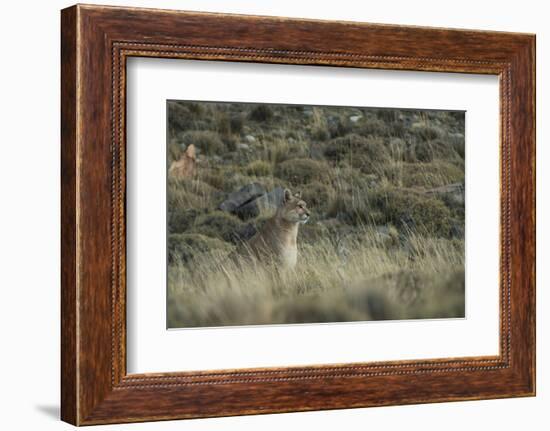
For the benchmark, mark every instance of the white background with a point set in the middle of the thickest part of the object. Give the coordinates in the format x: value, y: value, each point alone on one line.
x: 151, y: 348
x: 29, y: 224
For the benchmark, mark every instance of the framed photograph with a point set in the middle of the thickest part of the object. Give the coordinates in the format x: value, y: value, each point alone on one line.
x: 264, y: 215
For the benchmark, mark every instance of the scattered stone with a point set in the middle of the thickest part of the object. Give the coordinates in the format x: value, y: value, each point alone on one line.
x: 242, y: 196
x: 243, y: 146
x: 250, y: 139
x: 355, y: 118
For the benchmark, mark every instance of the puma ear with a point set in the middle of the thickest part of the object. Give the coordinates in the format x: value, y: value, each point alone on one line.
x: 287, y: 195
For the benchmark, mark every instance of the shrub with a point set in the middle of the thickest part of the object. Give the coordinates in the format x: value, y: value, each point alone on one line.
x: 319, y: 128
x: 317, y: 196
x: 279, y: 150
x: 365, y: 153
x: 197, y: 109
x: 353, y: 209
x: 320, y: 133
x: 179, y: 117
x: 337, y: 126
x: 456, y: 140
x: 340, y: 148
x: 207, y: 142
x: 174, y: 152
x: 261, y: 113
x: 186, y: 246
x: 185, y: 193
x: 431, y: 175
x: 218, y: 224
x: 373, y: 127
x: 237, y: 123
x: 185, y: 116
x: 259, y: 168
x: 426, y: 151
x: 373, y: 157
x: 410, y: 210
x: 388, y: 115
x: 312, y: 232
x: 223, y: 124
x: 181, y: 220
x: 426, y: 132
x: 302, y: 171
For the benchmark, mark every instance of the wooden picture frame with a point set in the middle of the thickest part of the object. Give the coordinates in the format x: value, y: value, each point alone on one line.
x: 95, y: 43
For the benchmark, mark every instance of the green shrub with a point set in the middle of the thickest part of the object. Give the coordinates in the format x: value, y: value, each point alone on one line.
x: 174, y: 152
x: 180, y: 118
x: 208, y: 142
x: 338, y: 126
x: 431, y: 175
x: 185, y: 247
x: 407, y: 209
x: 279, y: 150
x: 261, y: 113
x: 317, y: 196
x: 365, y: 153
x: 186, y: 193
x: 223, y: 123
x: 353, y: 209
x: 340, y: 148
x: 259, y: 168
x: 426, y: 132
x: 181, y: 220
x: 426, y: 151
x: 185, y: 116
x: 388, y: 116
x: 320, y: 133
x: 310, y: 233
x: 456, y: 141
x: 373, y: 127
x: 237, y: 123
x: 373, y: 157
x: 302, y: 171
x: 218, y: 224
x: 196, y: 108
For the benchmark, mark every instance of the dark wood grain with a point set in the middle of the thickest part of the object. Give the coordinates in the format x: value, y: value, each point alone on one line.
x: 96, y: 41
x: 69, y: 367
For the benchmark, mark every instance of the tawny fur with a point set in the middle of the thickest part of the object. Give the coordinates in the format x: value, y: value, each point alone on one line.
x: 186, y: 165
x: 276, y: 242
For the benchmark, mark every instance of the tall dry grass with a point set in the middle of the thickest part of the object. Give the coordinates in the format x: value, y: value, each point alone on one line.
x: 366, y: 277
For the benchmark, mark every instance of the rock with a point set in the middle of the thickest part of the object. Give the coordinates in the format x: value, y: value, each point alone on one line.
x: 242, y: 196
x: 185, y: 167
x: 355, y: 118
x: 266, y: 202
x: 250, y: 139
x: 243, y: 146
x: 245, y: 232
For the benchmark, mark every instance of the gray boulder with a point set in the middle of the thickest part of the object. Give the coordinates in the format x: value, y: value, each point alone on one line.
x: 241, y: 197
x: 266, y: 202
